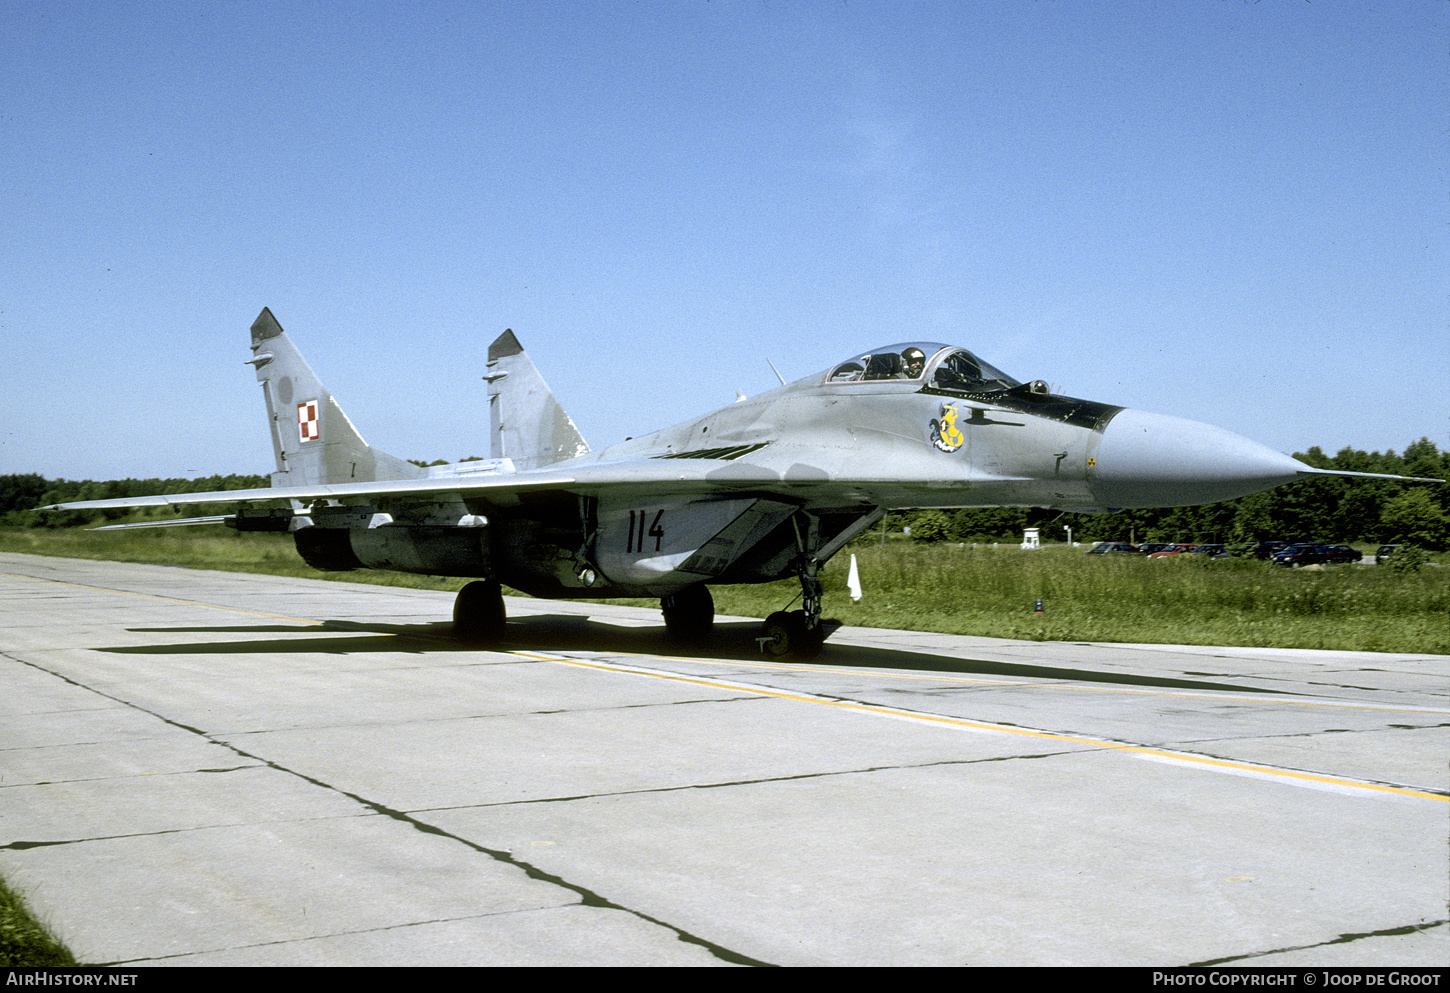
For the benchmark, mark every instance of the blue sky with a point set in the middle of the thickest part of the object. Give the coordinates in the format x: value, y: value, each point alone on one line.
x: 1228, y: 211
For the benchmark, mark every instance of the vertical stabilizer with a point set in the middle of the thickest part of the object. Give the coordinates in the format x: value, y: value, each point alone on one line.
x: 529, y: 424
x: 312, y: 439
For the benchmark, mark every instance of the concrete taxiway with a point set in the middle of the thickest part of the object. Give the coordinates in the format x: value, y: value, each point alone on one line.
x: 205, y: 768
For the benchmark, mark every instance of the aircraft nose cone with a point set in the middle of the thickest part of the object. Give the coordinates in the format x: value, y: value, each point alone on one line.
x: 1151, y: 460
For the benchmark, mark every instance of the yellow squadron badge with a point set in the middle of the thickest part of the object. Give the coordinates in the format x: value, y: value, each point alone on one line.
x: 945, y: 434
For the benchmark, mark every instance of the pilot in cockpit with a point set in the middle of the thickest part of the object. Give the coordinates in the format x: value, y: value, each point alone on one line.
x: 956, y: 369
x: 913, y: 361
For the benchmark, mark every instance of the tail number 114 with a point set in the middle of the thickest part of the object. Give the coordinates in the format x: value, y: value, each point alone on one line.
x: 638, y: 533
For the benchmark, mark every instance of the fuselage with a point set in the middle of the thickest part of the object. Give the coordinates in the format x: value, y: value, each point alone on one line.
x: 938, y: 440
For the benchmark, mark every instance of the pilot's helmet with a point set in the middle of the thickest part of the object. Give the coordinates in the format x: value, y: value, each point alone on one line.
x: 915, y: 360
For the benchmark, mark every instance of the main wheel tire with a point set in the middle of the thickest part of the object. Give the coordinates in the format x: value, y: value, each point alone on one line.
x: 478, y: 614
x: 689, y: 614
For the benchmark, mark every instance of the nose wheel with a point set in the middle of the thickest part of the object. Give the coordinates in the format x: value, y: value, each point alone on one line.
x: 789, y: 636
x: 796, y: 634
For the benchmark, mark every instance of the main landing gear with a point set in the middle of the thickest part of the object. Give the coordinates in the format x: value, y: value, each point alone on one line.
x: 478, y: 614
x: 689, y: 614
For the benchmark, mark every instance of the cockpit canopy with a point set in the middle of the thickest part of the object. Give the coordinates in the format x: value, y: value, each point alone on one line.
x: 944, y: 366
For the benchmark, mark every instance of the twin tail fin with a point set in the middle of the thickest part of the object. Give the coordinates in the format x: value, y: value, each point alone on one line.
x: 529, y: 425
x: 314, y: 443
x: 312, y: 439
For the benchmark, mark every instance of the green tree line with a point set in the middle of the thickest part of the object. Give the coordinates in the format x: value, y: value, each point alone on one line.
x: 1315, y: 509
x: 20, y: 494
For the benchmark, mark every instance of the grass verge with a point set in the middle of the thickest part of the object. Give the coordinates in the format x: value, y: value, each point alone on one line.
x: 24, y: 941
x: 973, y: 590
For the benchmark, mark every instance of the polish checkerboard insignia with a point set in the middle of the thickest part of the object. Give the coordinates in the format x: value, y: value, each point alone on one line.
x: 308, y: 428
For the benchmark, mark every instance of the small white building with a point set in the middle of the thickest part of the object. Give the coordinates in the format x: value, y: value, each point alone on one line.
x: 1030, y: 538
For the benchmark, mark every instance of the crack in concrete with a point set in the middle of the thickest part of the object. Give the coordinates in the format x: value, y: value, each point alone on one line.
x: 587, y: 897
x: 502, y: 715
x: 1310, y: 734
x: 630, y: 706
x: 21, y: 846
x: 1186, y: 752
x: 747, y: 782
x: 321, y: 937
x: 24, y: 846
x: 1180, y: 748
x: 1377, y: 690
x: 1343, y: 939
x: 1285, y: 680
x: 134, y: 775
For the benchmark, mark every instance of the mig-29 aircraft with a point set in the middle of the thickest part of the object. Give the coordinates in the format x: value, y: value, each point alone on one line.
x: 769, y: 487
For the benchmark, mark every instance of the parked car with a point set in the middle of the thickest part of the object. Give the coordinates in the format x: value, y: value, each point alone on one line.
x: 1178, y: 549
x: 1301, y: 554
x: 1262, y: 549
x: 1343, y: 553
x: 1213, y: 551
x: 1113, y: 548
x: 1149, y: 547
x: 1407, y: 556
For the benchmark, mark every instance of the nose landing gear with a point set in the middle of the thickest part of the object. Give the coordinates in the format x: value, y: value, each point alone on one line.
x: 797, y: 634
x: 790, y: 636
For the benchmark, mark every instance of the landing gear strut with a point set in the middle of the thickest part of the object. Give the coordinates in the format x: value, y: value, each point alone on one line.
x: 689, y: 614
x: 797, y: 634
x: 478, y: 614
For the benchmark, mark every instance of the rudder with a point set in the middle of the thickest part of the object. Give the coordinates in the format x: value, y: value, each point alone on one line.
x: 312, y: 439
x: 528, y: 423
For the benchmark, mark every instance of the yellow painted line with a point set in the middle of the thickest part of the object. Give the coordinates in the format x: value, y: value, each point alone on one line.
x: 880, y: 711
x: 165, y: 599
x: 871, y: 708
x: 1277, y: 697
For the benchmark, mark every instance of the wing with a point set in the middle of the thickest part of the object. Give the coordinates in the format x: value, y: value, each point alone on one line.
x: 645, y: 526
x: 499, y: 488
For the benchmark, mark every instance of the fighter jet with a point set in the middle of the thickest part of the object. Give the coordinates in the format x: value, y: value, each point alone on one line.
x: 769, y: 487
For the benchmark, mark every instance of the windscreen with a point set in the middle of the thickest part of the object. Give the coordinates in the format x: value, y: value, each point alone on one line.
x: 959, y: 369
x: 944, y: 366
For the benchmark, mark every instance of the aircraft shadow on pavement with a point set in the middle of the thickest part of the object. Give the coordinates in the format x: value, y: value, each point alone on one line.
x: 571, y: 632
